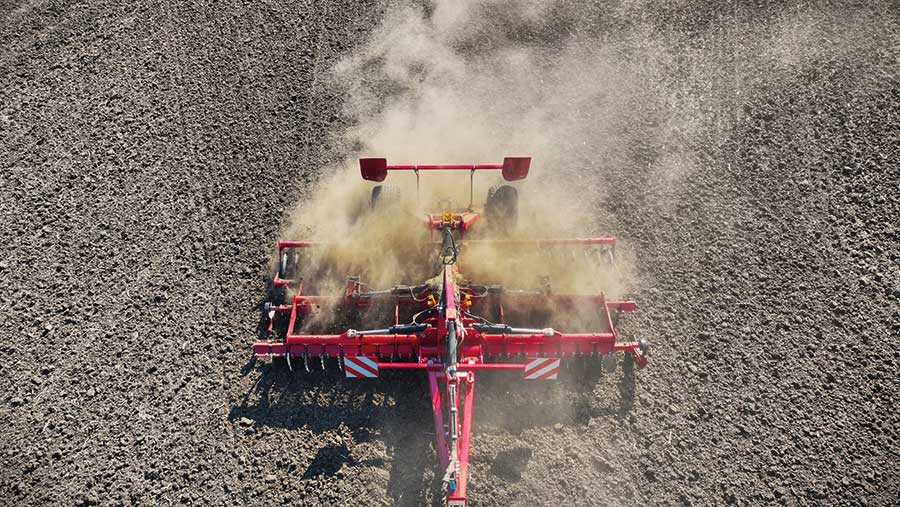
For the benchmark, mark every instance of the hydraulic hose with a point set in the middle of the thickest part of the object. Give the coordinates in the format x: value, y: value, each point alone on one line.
x: 449, y: 251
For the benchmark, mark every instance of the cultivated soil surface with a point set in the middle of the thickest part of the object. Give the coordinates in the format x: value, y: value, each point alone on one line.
x: 150, y: 152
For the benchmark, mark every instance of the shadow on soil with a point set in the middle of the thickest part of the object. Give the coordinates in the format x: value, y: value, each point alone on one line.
x: 394, y: 410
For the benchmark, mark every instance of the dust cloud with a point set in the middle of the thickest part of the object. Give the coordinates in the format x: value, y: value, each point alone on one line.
x: 442, y: 85
x: 474, y: 81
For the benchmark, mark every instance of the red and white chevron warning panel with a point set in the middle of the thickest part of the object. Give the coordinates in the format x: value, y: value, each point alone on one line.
x: 542, y: 368
x: 360, y: 367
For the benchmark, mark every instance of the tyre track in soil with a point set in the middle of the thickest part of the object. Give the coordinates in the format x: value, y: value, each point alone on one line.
x: 140, y: 150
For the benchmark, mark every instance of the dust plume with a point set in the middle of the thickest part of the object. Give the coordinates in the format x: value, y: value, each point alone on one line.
x: 474, y: 81
x: 441, y: 85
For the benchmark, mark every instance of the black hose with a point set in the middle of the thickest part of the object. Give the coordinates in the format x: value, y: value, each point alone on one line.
x: 449, y: 252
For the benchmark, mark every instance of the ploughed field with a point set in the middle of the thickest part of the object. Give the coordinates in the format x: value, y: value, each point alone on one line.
x: 150, y: 154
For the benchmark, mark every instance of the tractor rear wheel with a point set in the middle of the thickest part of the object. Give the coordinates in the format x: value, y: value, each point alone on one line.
x: 502, y: 208
x: 385, y: 197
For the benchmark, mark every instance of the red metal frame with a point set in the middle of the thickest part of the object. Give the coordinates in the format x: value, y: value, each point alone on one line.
x: 512, y: 168
x: 461, y: 222
x: 448, y: 381
x: 449, y: 345
x: 607, y: 240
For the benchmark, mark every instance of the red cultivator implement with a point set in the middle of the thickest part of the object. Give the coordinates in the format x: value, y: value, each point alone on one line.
x: 448, y: 327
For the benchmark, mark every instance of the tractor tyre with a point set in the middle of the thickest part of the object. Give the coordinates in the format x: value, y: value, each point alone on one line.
x: 385, y: 197
x: 502, y: 208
